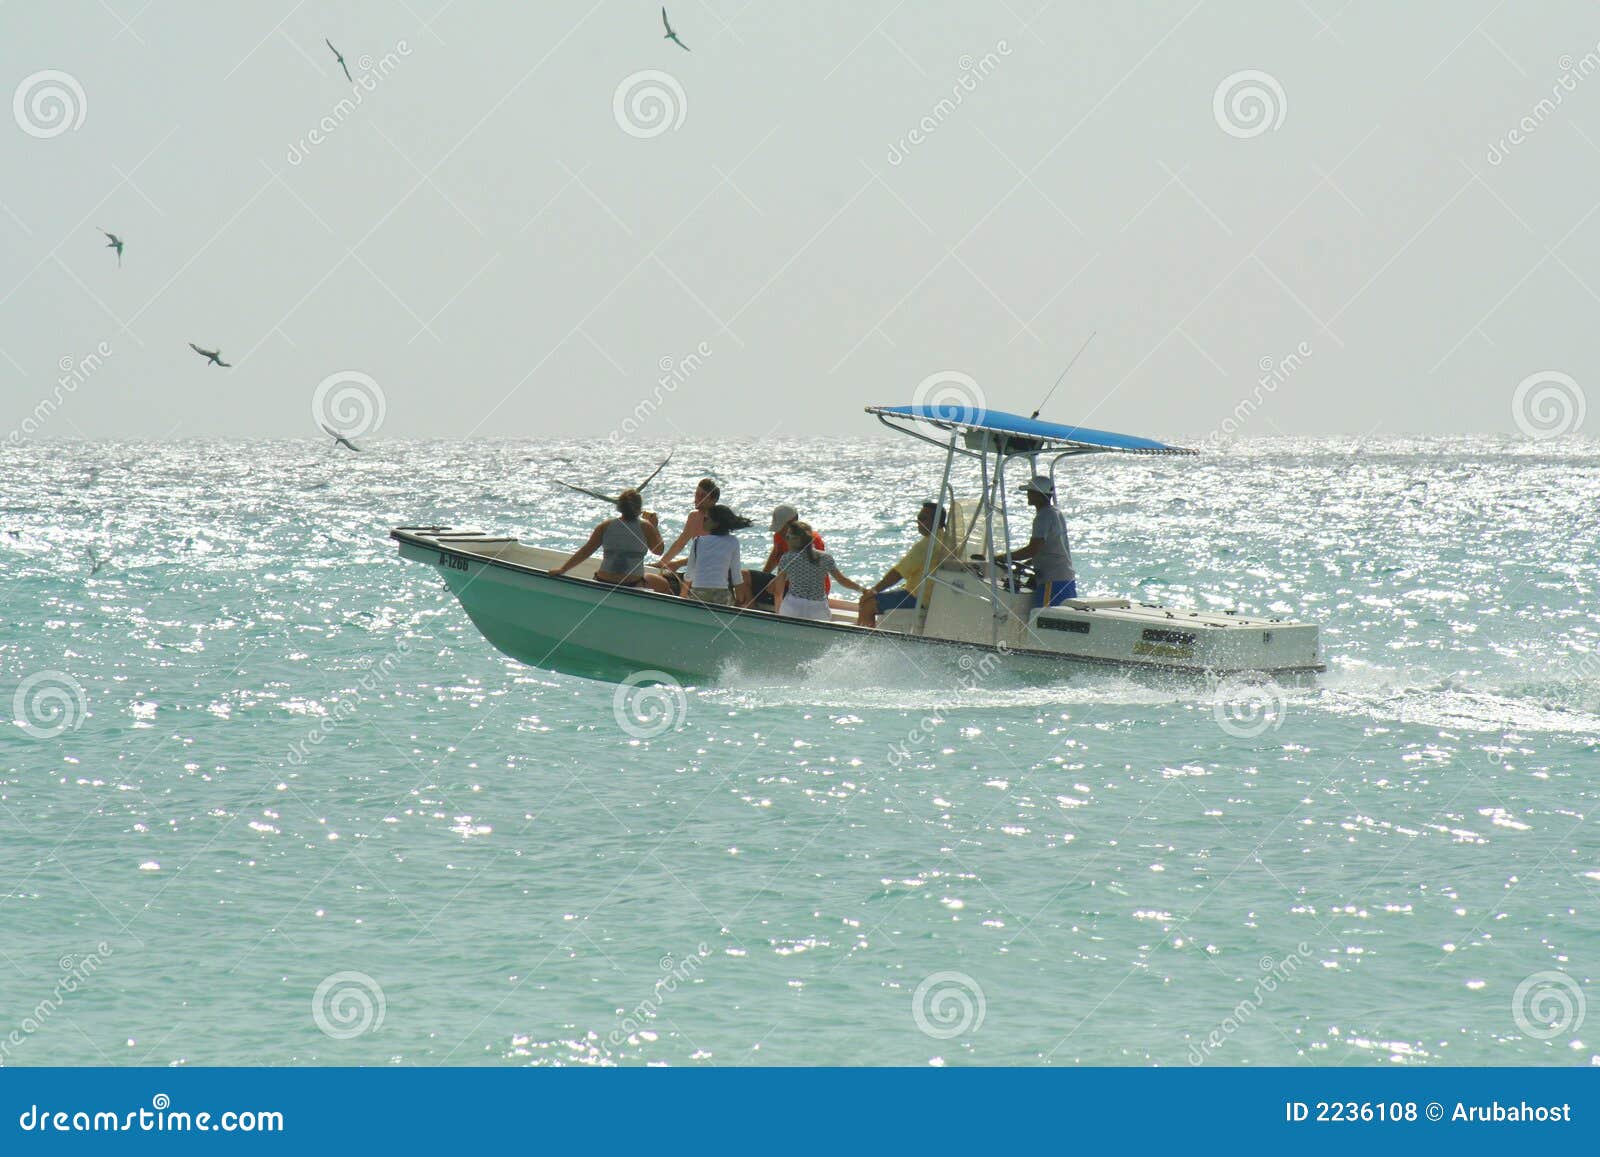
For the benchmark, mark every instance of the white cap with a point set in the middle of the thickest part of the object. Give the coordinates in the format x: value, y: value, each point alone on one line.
x: 1041, y: 484
x: 782, y: 516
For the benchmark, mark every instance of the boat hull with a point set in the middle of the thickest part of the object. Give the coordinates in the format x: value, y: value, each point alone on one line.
x: 599, y: 632
x: 572, y: 624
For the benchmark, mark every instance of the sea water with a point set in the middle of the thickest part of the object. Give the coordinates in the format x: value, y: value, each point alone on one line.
x: 267, y: 796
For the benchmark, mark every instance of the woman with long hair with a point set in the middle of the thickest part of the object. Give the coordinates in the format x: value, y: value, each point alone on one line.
x: 706, y: 495
x: 798, y: 582
x: 712, y: 573
x: 624, y: 541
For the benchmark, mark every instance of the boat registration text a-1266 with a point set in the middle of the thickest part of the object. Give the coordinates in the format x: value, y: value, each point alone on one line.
x: 451, y: 561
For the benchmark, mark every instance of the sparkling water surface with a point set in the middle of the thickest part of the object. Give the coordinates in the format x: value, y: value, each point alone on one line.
x: 484, y: 863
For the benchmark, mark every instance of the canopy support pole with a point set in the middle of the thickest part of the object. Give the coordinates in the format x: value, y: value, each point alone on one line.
x: 934, y: 534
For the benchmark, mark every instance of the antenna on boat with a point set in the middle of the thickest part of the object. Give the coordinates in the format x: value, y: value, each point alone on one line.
x: 1064, y: 372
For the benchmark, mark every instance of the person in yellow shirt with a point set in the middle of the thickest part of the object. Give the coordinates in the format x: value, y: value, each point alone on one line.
x: 912, y: 570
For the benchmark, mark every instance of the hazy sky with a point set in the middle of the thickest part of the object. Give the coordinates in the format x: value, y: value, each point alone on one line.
x: 483, y: 237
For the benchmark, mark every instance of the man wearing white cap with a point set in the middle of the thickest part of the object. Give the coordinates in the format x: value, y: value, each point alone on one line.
x: 1048, y: 547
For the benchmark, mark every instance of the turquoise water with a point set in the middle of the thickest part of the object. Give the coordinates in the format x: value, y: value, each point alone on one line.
x: 479, y: 863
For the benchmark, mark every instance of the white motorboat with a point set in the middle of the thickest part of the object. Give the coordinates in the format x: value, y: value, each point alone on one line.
x: 977, y: 606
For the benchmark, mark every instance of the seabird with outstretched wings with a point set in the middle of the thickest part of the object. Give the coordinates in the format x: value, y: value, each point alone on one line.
x: 671, y: 35
x: 339, y: 439
x: 611, y: 499
x: 339, y: 56
x: 214, y: 356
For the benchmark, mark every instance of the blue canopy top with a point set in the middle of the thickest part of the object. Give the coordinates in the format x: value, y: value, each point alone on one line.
x: 950, y: 415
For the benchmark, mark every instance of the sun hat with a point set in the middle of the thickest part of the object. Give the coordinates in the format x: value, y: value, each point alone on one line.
x: 1041, y: 484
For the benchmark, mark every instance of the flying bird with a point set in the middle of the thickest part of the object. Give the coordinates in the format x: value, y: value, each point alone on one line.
x: 671, y: 35
x: 339, y: 439
x: 97, y: 561
x: 611, y: 499
x: 214, y: 356
x: 339, y: 56
x: 115, y: 242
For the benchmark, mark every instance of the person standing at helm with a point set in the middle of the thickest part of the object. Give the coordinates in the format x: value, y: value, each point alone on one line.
x: 1051, y: 553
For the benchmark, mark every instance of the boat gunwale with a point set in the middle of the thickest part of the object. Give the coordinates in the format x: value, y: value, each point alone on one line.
x: 403, y: 535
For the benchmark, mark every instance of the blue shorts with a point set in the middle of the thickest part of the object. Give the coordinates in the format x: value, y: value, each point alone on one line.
x: 896, y: 599
x: 1054, y: 594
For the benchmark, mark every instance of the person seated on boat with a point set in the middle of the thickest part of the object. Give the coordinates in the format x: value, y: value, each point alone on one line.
x: 624, y: 541
x: 706, y: 494
x: 760, y: 593
x: 1048, y: 547
x: 798, y: 581
x: 711, y: 572
x: 913, y: 569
